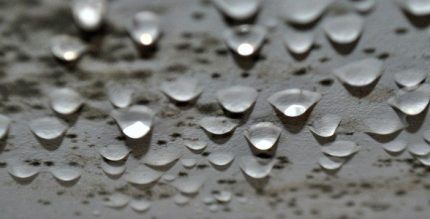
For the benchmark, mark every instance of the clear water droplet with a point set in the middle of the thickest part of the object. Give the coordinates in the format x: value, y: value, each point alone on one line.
x: 410, y: 103
x: 117, y: 200
x: 343, y: 29
x: 425, y: 160
x: 4, y: 125
x: 183, y: 89
x: 223, y: 196
x: 410, y: 78
x: 113, y: 169
x: 341, y: 148
x: 256, y: 168
x: 162, y: 157
x: 237, y: 99
x: 395, y: 146
x: 416, y: 7
x: 245, y: 40
x: 221, y: 159
x: 195, y: 145
x: 65, y: 101
x: 135, y: 122
x: 67, y: 48
x: 23, y: 171
x: 143, y: 176
x: 181, y: 200
x: 294, y: 102
x: 189, y: 162
x: 360, y: 73
x: 65, y: 173
x: 419, y: 149
x: 364, y: 6
x: 238, y: 9
x: 89, y: 14
x: 189, y: 185
x: 263, y: 136
x: 119, y: 95
x: 48, y: 128
x: 326, y: 125
x: 140, y: 205
x: 218, y: 125
x: 305, y: 11
x: 298, y: 42
x: 114, y: 152
x: 383, y: 123
x: 331, y: 163
x: 145, y: 30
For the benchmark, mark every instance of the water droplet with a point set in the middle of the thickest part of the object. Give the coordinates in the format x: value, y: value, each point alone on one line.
x: 360, y: 73
x: 410, y: 78
x: 343, y: 29
x: 208, y: 200
x: 384, y: 123
x: 117, y: 200
x: 183, y: 89
x: 119, y: 95
x: 341, y: 148
x: 294, y: 102
x: 223, y: 196
x: 245, y: 40
x: 298, y: 42
x: 425, y: 160
x: 65, y: 173
x: 135, y: 122
x: 416, y: 7
x: 143, y: 176
x: 65, y: 101
x: 140, y: 205
x: 263, y: 136
x: 113, y: 169
x: 48, y: 128
x: 4, y: 125
x: 23, y: 171
x: 162, y: 157
x: 256, y: 168
x: 305, y: 11
x: 364, y: 6
x: 189, y: 185
x: 145, y: 30
x: 169, y: 177
x: 67, y: 48
x: 410, y: 103
x: 114, y: 152
x: 331, y: 163
x: 237, y: 99
x: 195, y: 145
x: 89, y: 14
x: 419, y: 149
x: 221, y: 159
x: 238, y: 9
x: 181, y: 200
x: 218, y: 125
x: 326, y: 125
x: 189, y: 162
x: 396, y: 146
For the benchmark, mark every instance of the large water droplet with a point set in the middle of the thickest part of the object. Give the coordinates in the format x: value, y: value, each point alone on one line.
x: 65, y: 173
x: 419, y: 149
x: 65, y: 101
x: 343, y: 29
x: 305, y: 11
x: 341, y: 148
x: 326, y: 126
x: 183, y: 89
x: 395, y: 146
x: 410, y: 78
x: 360, y: 73
x: 416, y: 7
x: 67, y: 48
x: 23, y: 171
x: 119, y: 95
x: 238, y: 9
x: 89, y: 14
x: 218, y: 125
x: 298, y: 42
x: 221, y: 159
x: 113, y: 169
x: 256, y: 168
x: 245, y: 40
x: 117, y: 200
x: 145, y: 30
x: 140, y: 205
x: 114, y: 152
x: 135, y: 122
x: 48, y: 128
x: 4, y: 125
x: 331, y: 163
x: 237, y: 99
x: 162, y: 157
x: 410, y: 103
x: 143, y: 176
x: 189, y: 185
x: 263, y: 135
x: 223, y: 196
x: 294, y: 102
x: 384, y: 123
x: 195, y: 145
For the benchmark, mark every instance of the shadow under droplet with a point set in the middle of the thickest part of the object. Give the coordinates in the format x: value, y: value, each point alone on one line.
x: 139, y: 147
x: 344, y: 49
x: 219, y: 139
x: 24, y: 181
x: 294, y: 124
x: 420, y: 22
x: 415, y: 122
x: 246, y: 62
x: 361, y: 92
x: 232, y: 22
x: 324, y: 140
x: 50, y: 144
x: 384, y: 138
x: 257, y: 184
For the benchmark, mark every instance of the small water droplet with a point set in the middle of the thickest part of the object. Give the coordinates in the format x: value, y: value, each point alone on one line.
x: 305, y: 11
x: 298, y: 42
x: 117, y: 200
x: 360, y: 73
x: 48, y: 128
x: 364, y: 6
x: 169, y: 177
x: 218, y: 125
x: 140, y: 205
x: 419, y: 149
x: 189, y: 185
x: 145, y: 30
x: 256, y: 168
x: 22, y: 171
x: 195, y: 145
x: 238, y: 9
x: 89, y: 14
x: 65, y: 173
x: 341, y: 148
x: 331, y: 163
x: 223, y: 196
x: 65, y: 101
x: 67, y: 48
x: 119, y: 95
x: 343, y: 29
x: 237, y: 99
x: 410, y: 103
x: 181, y: 200
x: 410, y: 78
x: 113, y: 169
x: 114, y: 152
x: 263, y: 136
x: 143, y: 176
x: 294, y: 102
x: 208, y: 200
x: 135, y: 122
x: 326, y: 125
x: 221, y: 159
x: 4, y: 125
x: 425, y: 160
x: 396, y: 146
x: 416, y: 7
x: 183, y: 89
x: 162, y: 157
x: 245, y: 40
x: 189, y: 162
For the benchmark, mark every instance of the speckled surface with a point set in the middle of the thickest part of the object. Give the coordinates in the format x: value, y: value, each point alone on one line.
x: 372, y: 184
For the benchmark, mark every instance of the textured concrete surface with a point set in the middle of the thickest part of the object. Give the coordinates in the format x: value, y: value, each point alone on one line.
x: 373, y: 184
